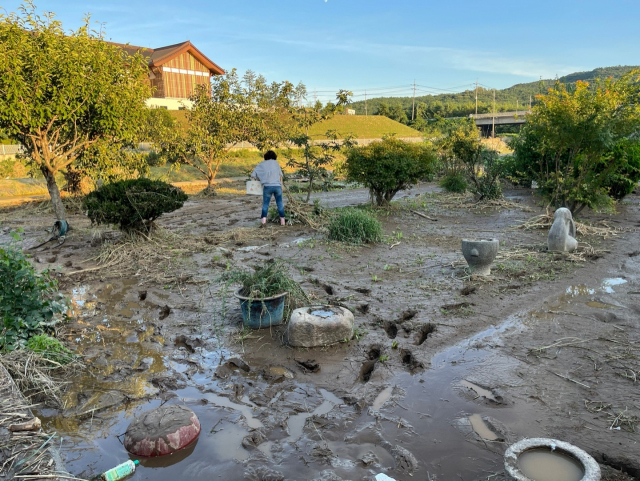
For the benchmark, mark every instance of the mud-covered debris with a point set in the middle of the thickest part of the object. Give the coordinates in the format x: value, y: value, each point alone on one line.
x: 328, y: 475
x: 262, y: 473
x: 405, y: 461
x: 253, y: 440
x: 169, y: 381
x: 239, y: 363
x: 189, y: 343
x: 310, y: 365
x: 222, y: 371
x: 457, y: 306
x: 363, y: 290
x: 164, y: 312
x: 468, y: 290
x: 369, y: 459
x: 322, y: 453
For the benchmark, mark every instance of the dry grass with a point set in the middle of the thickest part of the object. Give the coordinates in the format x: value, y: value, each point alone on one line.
x: 468, y: 201
x: 164, y: 256
x: 37, y: 377
x: 28, y: 454
x: 544, y: 221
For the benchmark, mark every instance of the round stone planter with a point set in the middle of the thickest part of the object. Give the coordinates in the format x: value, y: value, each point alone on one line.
x: 259, y: 313
x: 513, y: 457
x: 479, y: 254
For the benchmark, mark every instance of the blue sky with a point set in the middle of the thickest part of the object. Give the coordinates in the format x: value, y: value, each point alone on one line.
x: 381, y: 46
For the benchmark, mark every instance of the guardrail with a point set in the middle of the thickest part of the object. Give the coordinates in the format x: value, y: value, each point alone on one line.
x: 11, y: 149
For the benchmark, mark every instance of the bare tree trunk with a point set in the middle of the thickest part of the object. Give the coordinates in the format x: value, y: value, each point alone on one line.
x: 54, y: 193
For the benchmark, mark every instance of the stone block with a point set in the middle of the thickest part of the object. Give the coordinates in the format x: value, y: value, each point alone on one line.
x: 319, y: 326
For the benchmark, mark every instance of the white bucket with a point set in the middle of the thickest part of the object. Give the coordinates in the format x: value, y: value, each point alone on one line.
x: 254, y: 187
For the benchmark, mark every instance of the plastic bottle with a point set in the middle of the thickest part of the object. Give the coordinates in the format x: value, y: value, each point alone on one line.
x: 121, y: 471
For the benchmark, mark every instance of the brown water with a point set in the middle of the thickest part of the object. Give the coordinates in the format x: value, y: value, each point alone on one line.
x: 480, y: 391
x: 382, y: 398
x: 481, y: 429
x: 545, y: 465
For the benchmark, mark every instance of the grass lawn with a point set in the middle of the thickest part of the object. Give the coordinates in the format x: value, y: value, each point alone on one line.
x: 363, y: 127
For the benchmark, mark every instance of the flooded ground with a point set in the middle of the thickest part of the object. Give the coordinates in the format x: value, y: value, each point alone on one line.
x: 443, y: 374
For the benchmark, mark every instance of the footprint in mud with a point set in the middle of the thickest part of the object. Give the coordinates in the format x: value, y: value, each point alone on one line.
x: 424, y: 332
x: 363, y: 308
x: 410, y: 361
x: 363, y: 290
x: 367, y: 370
x: 391, y: 328
x: 374, y: 352
x: 407, y: 315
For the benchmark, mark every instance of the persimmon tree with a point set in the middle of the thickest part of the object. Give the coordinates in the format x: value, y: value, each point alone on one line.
x: 581, y: 145
x: 232, y: 111
x: 62, y: 92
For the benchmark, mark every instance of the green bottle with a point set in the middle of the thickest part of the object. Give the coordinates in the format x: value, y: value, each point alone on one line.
x: 121, y: 471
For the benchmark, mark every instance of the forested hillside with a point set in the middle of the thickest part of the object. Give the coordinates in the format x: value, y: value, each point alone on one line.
x: 462, y: 104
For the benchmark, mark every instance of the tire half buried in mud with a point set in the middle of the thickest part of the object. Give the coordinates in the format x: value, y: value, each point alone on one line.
x: 160, y: 431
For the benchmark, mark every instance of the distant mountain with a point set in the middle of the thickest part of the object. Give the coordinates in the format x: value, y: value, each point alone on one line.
x: 463, y: 103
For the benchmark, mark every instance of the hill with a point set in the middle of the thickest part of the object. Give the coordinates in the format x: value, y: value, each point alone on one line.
x: 363, y: 127
x: 461, y: 104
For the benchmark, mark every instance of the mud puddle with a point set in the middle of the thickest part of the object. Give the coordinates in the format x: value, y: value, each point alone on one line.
x: 545, y: 465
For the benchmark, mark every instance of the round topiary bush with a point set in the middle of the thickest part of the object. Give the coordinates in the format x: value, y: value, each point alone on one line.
x: 355, y: 226
x: 133, y: 204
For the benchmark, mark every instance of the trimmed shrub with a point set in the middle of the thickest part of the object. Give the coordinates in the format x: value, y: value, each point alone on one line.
x: 355, y: 226
x: 456, y: 182
x: 30, y: 303
x: 133, y: 204
x: 389, y: 166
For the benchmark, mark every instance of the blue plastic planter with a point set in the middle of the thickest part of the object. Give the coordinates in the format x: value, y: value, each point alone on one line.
x: 259, y: 313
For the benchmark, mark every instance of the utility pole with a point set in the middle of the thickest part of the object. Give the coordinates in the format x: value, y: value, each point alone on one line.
x: 413, y: 106
x: 493, y: 121
x: 365, y: 103
x: 476, y: 97
x: 529, y: 103
x: 315, y: 98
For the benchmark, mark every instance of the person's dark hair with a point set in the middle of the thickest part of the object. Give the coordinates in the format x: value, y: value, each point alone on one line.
x: 270, y: 155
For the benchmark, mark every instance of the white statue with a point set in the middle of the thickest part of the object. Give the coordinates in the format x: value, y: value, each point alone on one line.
x: 563, y: 232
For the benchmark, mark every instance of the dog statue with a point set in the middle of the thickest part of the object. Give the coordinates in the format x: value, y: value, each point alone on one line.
x: 563, y: 232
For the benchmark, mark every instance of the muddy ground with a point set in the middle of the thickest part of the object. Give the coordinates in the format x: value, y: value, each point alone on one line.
x: 444, y: 372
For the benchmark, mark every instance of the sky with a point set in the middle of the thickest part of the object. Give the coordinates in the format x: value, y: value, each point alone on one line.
x: 381, y: 47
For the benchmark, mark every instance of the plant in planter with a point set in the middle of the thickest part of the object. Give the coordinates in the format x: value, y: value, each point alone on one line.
x: 268, y: 295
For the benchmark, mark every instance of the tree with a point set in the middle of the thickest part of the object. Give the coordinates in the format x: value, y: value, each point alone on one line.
x: 315, y: 158
x: 579, y: 144
x: 388, y: 166
x: 343, y: 98
x: 234, y: 110
x: 62, y: 93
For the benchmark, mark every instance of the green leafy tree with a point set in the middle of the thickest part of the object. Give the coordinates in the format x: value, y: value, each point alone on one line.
x: 579, y: 144
x: 64, y: 92
x: 234, y: 110
x: 343, y: 99
x: 388, y: 166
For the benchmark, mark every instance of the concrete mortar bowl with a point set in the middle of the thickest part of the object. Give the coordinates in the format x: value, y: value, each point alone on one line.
x: 479, y: 254
x: 590, y: 466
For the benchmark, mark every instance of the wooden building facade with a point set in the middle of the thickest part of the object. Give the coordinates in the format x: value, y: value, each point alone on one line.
x: 174, y: 73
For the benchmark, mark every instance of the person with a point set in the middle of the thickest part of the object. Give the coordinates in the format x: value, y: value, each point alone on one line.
x: 269, y: 173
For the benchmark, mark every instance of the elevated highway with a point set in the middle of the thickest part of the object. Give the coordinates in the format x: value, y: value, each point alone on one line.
x: 487, y: 121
